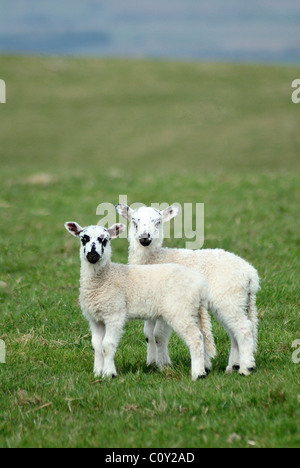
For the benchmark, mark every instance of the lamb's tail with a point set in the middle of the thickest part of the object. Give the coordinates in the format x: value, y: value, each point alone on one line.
x: 206, y: 329
x: 251, y: 306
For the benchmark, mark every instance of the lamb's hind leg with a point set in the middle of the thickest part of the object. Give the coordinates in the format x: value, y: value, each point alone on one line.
x: 157, y: 333
x: 149, y: 326
x: 206, y: 330
x: 234, y: 358
x: 241, y: 355
x: 190, y: 333
x: 245, y: 340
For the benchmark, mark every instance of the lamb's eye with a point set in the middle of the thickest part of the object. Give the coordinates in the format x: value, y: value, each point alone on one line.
x: 102, y: 241
x: 135, y: 225
x: 85, y: 239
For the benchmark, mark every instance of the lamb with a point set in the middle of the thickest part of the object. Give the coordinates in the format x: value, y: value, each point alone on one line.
x: 111, y: 294
x: 233, y: 284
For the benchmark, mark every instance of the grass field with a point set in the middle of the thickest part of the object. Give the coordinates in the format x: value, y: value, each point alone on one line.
x: 76, y: 133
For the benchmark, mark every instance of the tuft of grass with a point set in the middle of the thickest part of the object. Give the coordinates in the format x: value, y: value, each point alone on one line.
x: 76, y: 133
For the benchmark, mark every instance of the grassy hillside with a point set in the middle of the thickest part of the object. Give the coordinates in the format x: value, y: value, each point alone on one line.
x: 77, y: 133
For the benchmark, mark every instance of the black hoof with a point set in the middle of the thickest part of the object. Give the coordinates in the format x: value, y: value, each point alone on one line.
x: 249, y: 371
x: 207, y: 370
x: 201, y: 377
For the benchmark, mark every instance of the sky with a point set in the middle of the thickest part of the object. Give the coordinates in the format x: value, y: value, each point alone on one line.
x: 226, y: 30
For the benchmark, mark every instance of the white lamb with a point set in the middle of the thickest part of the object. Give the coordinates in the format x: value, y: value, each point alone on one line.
x: 233, y: 284
x: 112, y: 293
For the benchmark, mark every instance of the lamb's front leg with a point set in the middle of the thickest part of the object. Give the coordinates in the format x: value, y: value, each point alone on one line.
x: 98, y: 331
x: 113, y: 333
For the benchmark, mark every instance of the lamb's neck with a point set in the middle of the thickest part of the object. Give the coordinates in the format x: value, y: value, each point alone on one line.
x: 140, y: 255
x: 90, y: 273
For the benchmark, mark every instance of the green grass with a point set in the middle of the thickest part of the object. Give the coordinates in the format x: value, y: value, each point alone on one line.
x: 76, y: 133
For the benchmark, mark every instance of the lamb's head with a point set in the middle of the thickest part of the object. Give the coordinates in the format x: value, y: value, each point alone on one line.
x: 146, y: 223
x: 94, y: 241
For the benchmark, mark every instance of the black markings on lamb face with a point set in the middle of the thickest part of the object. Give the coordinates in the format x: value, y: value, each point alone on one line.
x: 85, y: 239
x: 135, y: 223
x: 103, y: 242
x: 102, y: 248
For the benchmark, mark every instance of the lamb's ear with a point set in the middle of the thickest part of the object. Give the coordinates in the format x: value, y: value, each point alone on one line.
x: 169, y: 213
x: 116, y: 230
x: 124, y: 210
x: 74, y: 228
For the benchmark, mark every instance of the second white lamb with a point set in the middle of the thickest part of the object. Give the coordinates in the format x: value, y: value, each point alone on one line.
x: 233, y: 284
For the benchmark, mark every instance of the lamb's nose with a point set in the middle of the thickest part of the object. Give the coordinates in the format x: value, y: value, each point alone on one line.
x: 145, y: 239
x: 93, y: 257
